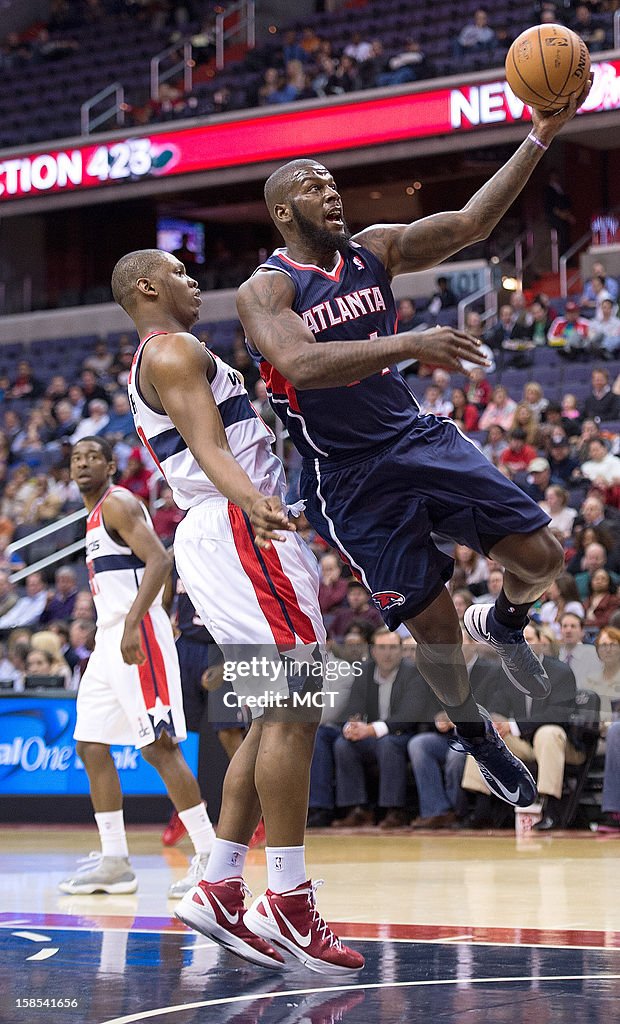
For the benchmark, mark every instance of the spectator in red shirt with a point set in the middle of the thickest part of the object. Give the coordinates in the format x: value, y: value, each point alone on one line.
x: 358, y: 607
x: 518, y: 454
x: 332, y: 588
x: 570, y: 333
x: 463, y: 412
x: 136, y: 476
x: 478, y: 389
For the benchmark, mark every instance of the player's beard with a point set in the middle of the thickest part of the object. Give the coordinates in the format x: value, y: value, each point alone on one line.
x: 321, y: 240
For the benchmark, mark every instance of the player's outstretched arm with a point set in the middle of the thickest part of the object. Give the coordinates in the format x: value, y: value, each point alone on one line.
x: 178, y: 370
x: 123, y: 515
x: 280, y: 335
x: 404, y: 248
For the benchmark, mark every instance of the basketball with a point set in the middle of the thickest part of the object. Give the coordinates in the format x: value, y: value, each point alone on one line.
x: 546, y: 64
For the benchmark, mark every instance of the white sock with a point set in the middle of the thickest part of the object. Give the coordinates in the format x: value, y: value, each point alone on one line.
x: 111, y: 827
x: 286, y: 867
x: 227, y: 860
x: 199, y: 827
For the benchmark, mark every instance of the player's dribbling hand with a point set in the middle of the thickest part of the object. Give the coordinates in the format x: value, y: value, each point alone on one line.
x: 447, y: 347
x: 269, y: 518
x: 547, y: 124
x: 131, y: 646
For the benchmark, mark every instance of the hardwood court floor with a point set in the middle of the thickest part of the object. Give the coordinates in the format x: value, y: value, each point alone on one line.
x: 454, y: 926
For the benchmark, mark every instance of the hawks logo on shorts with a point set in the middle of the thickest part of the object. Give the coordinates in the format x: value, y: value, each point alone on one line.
x: 385, y: 599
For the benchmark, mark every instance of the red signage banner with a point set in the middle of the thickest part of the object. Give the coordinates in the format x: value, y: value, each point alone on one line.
x: 280, y: 136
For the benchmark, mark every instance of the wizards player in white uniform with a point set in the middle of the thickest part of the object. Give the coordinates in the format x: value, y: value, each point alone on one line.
x: 255, y: 586
x: 130, y: 692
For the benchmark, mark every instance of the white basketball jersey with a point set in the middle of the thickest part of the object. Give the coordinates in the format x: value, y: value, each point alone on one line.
x: 250, y: 439
x: 114, y: 572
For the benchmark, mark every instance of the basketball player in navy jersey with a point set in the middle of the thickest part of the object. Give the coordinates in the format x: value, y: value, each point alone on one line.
x: 193, y: 412
x: 378, y: 476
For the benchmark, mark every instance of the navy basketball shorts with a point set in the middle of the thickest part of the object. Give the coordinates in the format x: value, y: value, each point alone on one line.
x: 381, y: 510
x: 194, y: 660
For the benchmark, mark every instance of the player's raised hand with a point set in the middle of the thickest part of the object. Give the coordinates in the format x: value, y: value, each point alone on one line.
x: 548, y: 123
x: 269, y: 518
x: 131, y: 645
x: 447, y: 347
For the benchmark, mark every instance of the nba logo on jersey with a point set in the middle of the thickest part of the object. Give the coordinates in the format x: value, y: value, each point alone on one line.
x: 385, y: 599
x: 358, y: 263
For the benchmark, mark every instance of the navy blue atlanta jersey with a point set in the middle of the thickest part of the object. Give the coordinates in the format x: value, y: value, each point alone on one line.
x: 352, y: 302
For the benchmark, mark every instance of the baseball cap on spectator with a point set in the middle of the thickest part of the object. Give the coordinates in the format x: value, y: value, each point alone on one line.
x: 538, y: 466
x: 571, y: 306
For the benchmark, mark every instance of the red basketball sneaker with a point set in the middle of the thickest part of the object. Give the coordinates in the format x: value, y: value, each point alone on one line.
x: 258, y: 836
x: 292, y: 920
x: 174, y: 831
x: 216, y: 909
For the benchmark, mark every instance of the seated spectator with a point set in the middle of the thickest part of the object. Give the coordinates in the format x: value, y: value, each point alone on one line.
x: 371, y: 68
x: 570, y: 333
x: 554, y: 419
x: 9, y: 671
x: 309, y: 42
x: 605, y: 680
x: 434, y: 402
x: 291, y: 48
x: 495, y: 583
x: 42, y: 506
x: 136, y: 476
x: 534, y: 397
x: 541, y: 322
x: 538, y: 736
x: 605, y: 330
x: 478, y: 389
x: 50, y: 644
x: 588, y: 299
x: 408, y: 317
x: 602, y: 601
x: 8, y: 593
x: 526, y: 419
x: 593, y: 514
x: 443, y: 297
x: 409, y: 65
x: 166, y: 517
x: 590, y: 431
x: 581, y: 658
x: 100, y: 361
x: 477, y: 37
x: 437, y: 768
x: 28, y: 609
x: 537, y: 480
x: 610, y: 822
x: 91, y: 388
x: 84, y: 607
x: 595, y: 556
x: 586, y: 27
x: 602, y: 468
x: 41, y: 663
x: 46, y: 48
x: 120, y: 423
x: 555, y: 504
x: 511, y: 336
x: 564, y: 466
x: 471, y: 570
x: 25, y: 384
x: 569, y: 408
x: 463, y: 412
x: 82, y: 643
x: 386, y: 703
x: 357, y: 607
x: 121, y: 367
x: 600, y: 293
x: 495, y: 444
x: 61, y: 601
x: 500, y: 410
x: 601, y: 404
x: 95, y: 423
x: 561, y: 596
x: 462, y: 599
x: 332, y: 586
x: 358, y: 48
x: 294, y: 83
x: 518, y: 454
x: 65, y: 422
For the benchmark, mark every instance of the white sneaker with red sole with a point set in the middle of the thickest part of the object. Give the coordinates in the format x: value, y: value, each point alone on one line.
x: 292, y: 920
x: 216, y: 909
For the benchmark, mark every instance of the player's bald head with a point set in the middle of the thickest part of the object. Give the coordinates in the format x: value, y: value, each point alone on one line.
x: 283, y: 181
x: 130, y: 269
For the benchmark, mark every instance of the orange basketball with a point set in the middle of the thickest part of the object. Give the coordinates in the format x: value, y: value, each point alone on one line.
x: 546, y: 64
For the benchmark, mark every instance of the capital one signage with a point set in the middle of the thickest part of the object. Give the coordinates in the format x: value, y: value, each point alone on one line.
x: 281, y: 135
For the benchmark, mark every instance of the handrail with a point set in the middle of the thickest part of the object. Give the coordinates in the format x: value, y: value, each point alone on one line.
x: 488, y: 291
x: 617, y: 30
x: 185, y: 65
x: 246, y: 24
x: 564, y: 258
x: 56, y: 556
x: 87, y: 123
x: 45, y: 531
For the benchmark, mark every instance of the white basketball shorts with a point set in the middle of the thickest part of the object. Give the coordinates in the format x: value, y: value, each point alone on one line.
x: 247, y: 597
x: 132, y: 704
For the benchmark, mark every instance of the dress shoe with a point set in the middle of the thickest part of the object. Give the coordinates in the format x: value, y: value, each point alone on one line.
x: 319, y: 817
x: 358, y: 817
x: 447, y: 820
x: 396, y: 817
x: 550, y: 815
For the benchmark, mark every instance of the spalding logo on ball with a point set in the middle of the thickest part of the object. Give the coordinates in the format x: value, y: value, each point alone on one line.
x: 546, y: 64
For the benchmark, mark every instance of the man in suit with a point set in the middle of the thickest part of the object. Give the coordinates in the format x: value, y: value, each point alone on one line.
x: 388, y: 699
x: 536, y: 731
